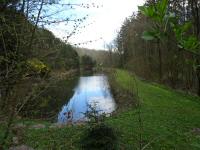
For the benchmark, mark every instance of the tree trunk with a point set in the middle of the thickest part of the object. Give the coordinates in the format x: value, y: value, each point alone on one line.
x: 198, y: 76
x: 198, y: 92
x: 196, y: 18
x: 160, y: 61
x: 35, y: 26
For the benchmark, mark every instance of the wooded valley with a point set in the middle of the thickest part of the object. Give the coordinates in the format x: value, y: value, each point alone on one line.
x: 149, y: 74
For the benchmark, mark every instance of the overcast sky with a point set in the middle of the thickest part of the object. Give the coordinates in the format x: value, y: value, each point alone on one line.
x: 101, y: 24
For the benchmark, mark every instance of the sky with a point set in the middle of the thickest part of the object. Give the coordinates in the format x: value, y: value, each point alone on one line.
x: 101, y: 24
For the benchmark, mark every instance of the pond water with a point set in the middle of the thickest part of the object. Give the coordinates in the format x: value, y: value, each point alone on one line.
x: 91, y: 91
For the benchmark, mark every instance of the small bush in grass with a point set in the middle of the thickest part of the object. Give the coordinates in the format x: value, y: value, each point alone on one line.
x: 98, y: 136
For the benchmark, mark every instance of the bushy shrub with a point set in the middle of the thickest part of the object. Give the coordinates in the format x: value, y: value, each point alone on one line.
x: 98, y: 135
x: 37, y: 67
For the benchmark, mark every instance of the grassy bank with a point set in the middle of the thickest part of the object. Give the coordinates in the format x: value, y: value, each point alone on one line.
x: 169, y: 120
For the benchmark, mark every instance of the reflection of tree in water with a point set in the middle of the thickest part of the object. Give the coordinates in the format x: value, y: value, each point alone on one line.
x: 91, y: 91
x: 103, y: 85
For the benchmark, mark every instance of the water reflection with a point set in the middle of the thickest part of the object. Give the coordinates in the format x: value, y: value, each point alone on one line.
x: 92, y: 90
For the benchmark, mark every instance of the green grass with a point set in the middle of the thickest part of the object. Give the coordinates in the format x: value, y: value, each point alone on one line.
x: 47, y: 138
x: 168, y: 117
x: 54, y: 138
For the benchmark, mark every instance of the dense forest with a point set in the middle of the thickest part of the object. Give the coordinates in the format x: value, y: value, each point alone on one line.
x: 161, y: 43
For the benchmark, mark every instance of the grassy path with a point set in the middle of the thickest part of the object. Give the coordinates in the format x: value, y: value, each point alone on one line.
x: 170, y: 120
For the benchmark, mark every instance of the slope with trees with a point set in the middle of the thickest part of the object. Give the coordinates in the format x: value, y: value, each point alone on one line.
x: 172, y: 55
x: 31, y: 61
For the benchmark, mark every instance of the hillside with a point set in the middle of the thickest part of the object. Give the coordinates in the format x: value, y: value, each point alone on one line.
x: 34, y: 65
x: 100, y: 56
x: 54, y: 52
